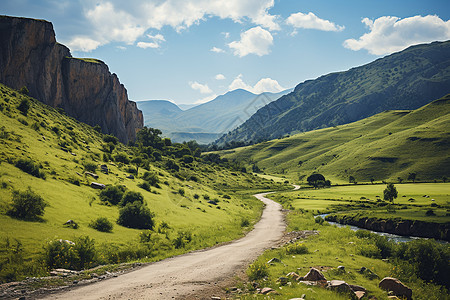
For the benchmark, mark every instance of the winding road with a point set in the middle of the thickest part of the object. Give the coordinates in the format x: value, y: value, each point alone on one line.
x: 193, y: 273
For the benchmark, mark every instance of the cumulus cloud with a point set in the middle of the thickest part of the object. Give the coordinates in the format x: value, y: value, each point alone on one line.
x: 220, y: 77
x: 119, y: 21
x: 263, y: 85
x: 390, y: 34
x: 202, y: 88
x: 217, y: 50
x: 311, y: 21
x: 155, y: 43
x: 256, y: 40
x: 83, y: 44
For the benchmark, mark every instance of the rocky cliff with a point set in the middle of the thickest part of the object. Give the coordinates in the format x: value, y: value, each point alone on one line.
x: 84, y: 88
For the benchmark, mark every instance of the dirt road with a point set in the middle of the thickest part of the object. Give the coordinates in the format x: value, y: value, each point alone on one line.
x: 193, y: 273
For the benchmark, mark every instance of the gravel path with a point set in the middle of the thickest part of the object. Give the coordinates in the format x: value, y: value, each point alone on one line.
x: 191, y: 274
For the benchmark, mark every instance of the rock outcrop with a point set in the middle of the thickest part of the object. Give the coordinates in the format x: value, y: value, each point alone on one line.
x: 84, y: 88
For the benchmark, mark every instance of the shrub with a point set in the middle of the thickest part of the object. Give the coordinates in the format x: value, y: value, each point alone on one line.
x: 430, y: 212
x: 27, y: 205
x: 122, y: 157
x: 28, y: 166
x: 24, y: 106
x: 183, y: 238
x: 131, y: 170
x: 130, y: 197
x: 24, y: 91
x: 245, y: 223
x: 151, y: 178
x: 257, y: 271
x: 144, y: 185
x: 297, y: 248
x: 102, y: 224
x: 196, y: 196
x: 172, y: 165
x: 110, y: 139
x: 181, y: 191
x: 135, y: 215
x: 90, y: 166
x: 65, y: 254
x: 187, y: 159
x: 112, y: 194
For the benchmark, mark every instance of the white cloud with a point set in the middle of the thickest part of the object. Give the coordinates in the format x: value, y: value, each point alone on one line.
x: 155, y: 43
x: 220, y: 77
x: 202, y: 88
x: 119, y: 21
x: 145, y: 45
x: 263, y: 85
x: 256, y: 40
x: 389, y: 34
x: 311, y: 21
x: 84, y: 44
x: 217, y: 50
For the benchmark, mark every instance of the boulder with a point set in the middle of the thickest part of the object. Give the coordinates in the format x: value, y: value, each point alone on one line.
x: 357, y: 288
x: 274, y: 260
x: 98, y: 186
x: 266, y: 290
x: 314, y: 275
x: 339, y: 286
x: 396, y: 286
x: 360, y: 294
x: 293, y: 276
x: 95, y: 176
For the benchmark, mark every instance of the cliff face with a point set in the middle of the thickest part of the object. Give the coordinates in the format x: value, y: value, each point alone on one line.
x: 85, y: 89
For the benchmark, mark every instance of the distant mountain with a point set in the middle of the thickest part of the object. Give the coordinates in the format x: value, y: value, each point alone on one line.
x: 208, y: 121
x: 405, y: 80
x: 386, y: 146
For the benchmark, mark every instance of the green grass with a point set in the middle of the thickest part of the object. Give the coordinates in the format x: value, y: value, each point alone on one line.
x: 386, y: 146
x: 61, y: 146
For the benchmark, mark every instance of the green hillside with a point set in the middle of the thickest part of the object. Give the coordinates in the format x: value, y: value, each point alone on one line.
x: 405, y: 80
x: 386, y: 146
x: 195, y: 204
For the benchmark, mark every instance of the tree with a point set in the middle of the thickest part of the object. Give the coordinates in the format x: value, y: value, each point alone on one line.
x: 112, y: 194
x: 131, y: 197
x: 372, y: 180
x: 27, y: 205
x: 412, y: 176
x: 137, y: 161
x: 24, y: 106
x: 352, y: 179
x: 316, y: 180
x: 135, y: 215
x: 390, y: 193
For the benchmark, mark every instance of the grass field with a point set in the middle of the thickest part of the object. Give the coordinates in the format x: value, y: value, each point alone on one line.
x: 61, y: 147
x: 387, y: 146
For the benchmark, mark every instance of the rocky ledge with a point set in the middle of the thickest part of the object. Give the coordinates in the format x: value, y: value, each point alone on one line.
x: 84, y: 88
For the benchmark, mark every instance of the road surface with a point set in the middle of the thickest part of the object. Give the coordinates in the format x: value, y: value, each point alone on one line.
x: 192, y: 273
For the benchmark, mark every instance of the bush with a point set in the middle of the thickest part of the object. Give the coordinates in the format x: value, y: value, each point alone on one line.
x: 110, y: 139
x: 188, y: 159
x: 257, y: 271
x: 145, y: 186
x: 131, y: 170
x: 135, y: 215
x: 122, y: 157
x: 28, y: 166
x: 65, y: 254
x: 90, y: 166
x: 112, y: 194
x: 181, y: 191
x: 172, y: 165
x: 245, y: 223
x: 27, y: 205
x: 102, y: 224
x: 183, y: 238
x: 151, y: 178
x: 24, y: 106
x: 130, y: 197
x: 297, y: 248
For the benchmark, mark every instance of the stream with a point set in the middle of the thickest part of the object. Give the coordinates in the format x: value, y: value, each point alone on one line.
x: 390, y: 236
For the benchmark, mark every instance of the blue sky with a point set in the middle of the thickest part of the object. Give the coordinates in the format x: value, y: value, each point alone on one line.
x: 190, y: 51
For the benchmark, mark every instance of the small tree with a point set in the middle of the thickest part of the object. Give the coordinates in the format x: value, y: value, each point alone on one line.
x: 27, y: 205
x: 372, y: 180
x: 24, y: 106
x: 137, y: 161
x: 316, y: 180
x: 130, y: 197
x: 390, y: 193
x: 412, y: 177
x: 135, y: 215
x: 112, y: 194
x: 352, y: 179
x: 101, y: 224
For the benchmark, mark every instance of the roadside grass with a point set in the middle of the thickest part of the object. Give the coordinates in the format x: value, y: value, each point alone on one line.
x: 61, y: 147
x: 331, y: 248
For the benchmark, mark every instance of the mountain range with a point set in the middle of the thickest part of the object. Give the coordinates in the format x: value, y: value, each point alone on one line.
x: 208, y: 121
x: 405, y: 80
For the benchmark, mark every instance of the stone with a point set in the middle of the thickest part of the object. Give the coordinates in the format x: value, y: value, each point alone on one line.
x: 339, y: 286
x: 95, y: 176
x: 314, y: 275
x: 266, y: 290
x: 293, y: 276
x: 396, y: 286
x: 215, y: 298
x: 360, y: 294
x: 274, y: 260
x: 98, y: 186
x: 357, y: 288
x: 212, y: 202
x: 341, y: 268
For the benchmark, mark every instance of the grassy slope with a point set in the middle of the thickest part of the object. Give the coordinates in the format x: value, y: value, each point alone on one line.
x: 385, y: 146
x: 209, y: 224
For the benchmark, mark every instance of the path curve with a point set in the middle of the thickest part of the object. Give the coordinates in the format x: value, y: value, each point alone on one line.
x: 190, y: 273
